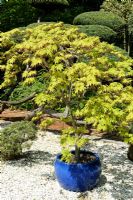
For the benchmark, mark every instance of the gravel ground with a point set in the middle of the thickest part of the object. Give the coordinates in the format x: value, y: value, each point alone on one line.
x: 32, y: 177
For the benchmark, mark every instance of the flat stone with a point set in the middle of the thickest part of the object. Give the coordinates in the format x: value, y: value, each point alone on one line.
x: 14, y: 115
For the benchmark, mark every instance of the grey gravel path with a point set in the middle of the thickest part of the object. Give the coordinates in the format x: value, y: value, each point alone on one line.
x: 32, y: 177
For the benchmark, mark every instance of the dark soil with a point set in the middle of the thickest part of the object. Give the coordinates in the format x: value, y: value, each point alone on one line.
x: 85, y: 157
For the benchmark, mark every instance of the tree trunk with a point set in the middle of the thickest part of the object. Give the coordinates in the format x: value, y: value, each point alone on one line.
x: 20, y: 101
x: 77, y: 154
x: 125, y: 39
x: 129, y: 45
x: 66, y: 112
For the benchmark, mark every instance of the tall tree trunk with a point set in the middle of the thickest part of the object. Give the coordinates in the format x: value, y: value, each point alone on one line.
x: 129, y: 45
x: 125, y: 39
x: 20, y: 101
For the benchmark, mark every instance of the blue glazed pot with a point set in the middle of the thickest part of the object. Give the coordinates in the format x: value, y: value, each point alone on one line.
x: 78, y: 177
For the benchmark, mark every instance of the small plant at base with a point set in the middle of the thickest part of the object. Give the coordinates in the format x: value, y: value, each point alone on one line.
x: 14, y: 138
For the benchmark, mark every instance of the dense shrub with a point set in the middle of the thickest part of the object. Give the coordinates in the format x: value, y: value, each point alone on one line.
x: 22, y: 91
x: 100, y: 18
x: 14, y: 138
x: 103, y: 32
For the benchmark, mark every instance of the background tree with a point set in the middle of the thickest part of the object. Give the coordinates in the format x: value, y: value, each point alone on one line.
x: 17, y: 13
x: 64, y: 2
x: 53, y: 11
x: 23, y: 12
x: 123, y: 8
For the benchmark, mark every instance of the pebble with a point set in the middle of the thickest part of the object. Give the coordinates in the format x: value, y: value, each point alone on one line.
x: 32, y: 177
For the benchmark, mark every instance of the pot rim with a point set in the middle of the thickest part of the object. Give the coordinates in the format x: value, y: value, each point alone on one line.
x: 79, y: 164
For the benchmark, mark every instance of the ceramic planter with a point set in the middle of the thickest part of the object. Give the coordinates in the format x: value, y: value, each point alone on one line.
x: 130, y: 152
x: 78, y: 177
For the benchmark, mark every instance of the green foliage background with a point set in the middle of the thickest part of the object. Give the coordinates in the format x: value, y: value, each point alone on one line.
x: 19, y: 13
x: 16, y: 13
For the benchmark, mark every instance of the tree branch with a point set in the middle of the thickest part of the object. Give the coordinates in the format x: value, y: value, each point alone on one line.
x: 20, y: 101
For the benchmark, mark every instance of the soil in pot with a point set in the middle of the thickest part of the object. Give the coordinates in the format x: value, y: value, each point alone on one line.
x: 85, y: 157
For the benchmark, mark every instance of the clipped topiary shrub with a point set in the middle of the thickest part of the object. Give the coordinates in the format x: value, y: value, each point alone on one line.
x: 103, y: 32
x: 100, y: 18
x: 14, y: 138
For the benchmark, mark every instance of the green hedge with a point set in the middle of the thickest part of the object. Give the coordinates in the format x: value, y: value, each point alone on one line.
x: 100, y: 18
x: 103, y: 32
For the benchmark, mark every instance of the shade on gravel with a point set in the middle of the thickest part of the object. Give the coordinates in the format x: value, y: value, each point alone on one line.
x: 32, y: 177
